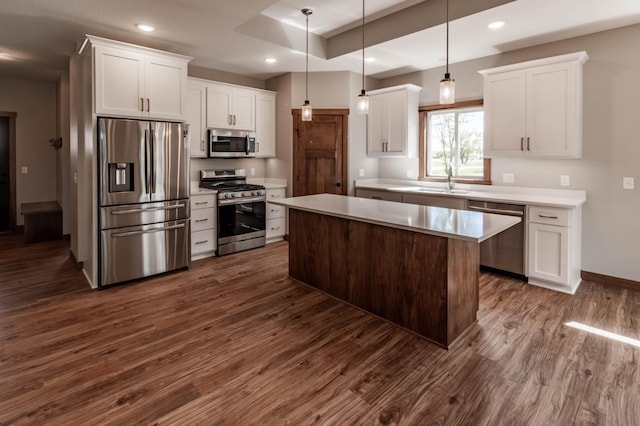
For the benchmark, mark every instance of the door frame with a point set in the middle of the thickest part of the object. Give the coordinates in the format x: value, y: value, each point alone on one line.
x: 12, y: 167
x: 345, y: 143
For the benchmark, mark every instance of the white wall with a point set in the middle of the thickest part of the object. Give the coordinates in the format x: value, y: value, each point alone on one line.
x: 35, y: 104
x: 611, y: 143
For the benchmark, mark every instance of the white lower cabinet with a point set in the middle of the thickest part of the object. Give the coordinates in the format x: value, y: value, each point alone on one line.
x: 203, y: 226
x: 276, y: 221
x: 554, y: 248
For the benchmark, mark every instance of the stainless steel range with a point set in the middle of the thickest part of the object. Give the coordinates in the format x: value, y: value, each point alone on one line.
x: 241, y: 221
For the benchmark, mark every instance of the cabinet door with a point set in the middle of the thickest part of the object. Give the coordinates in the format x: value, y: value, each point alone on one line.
x: 266, y: 125
x: 377, y: 139
x: 244, y: 110
x: 549, y: 253
x: 165, y: 87
x: 395, y: 121
x: 195, y: 109
x: 219, y: 106
x: 552, y: 110
x: 118, y: 82
x: 505, y: 114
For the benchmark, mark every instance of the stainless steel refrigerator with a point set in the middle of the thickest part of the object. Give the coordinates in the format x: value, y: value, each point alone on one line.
x: 144, y: 199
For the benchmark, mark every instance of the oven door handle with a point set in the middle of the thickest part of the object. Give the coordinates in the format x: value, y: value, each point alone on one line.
x: 231, y: 201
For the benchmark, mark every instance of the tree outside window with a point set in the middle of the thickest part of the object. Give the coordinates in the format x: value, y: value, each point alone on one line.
x: 455, y: 140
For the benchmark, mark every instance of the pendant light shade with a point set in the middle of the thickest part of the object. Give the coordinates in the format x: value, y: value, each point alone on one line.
x: 306, y: 107
x: 362, y: 105
x: 447, y: 84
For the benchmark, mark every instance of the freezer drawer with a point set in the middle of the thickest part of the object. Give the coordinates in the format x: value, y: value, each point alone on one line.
x: 140, y: 251
x: 142, y: 214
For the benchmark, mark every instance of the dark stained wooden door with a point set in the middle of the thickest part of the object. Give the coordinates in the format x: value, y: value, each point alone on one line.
x: 320, y: 153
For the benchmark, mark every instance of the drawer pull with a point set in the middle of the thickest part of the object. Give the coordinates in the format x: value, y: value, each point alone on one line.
x: 545, y: 216
x: 201, y: 220
x: 275, y: 228
x: 201, y: 203
x: 202, y: 242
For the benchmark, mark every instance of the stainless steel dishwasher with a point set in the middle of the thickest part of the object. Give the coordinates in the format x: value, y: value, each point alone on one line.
x: 505, y: 251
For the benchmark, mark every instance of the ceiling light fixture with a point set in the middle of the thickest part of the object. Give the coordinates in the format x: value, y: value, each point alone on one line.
x: 306, y: 108
x: 496, y: 25
x: 447, y: 84
x: 270, y: 60
x: 362, y: 105
x: 146, y: 28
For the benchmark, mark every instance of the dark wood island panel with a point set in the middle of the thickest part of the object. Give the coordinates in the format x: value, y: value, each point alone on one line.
x: 425, y: 283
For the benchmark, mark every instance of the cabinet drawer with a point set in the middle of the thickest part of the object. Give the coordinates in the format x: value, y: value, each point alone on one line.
x: 274, y: 194
x: 549, y: 215
x: 203, y: 201
x: 202, y: 241
x: 202, y: 219
x: 275, y: 227
x: 274, y: 211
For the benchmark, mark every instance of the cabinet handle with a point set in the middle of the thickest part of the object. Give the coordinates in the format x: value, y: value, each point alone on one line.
x: 229, y: 119
x: 202, y: 145
x: 201, y: 220
x: 275, y: 228
x: 202, y: 242
x: 521, y: 144
x: 257, y: 146
x: 142, y: 104
x: 202, y: 203
x: 528, y: 144
x: 274, y: 210
x: 234, y: 119
x: 375, y: 197
x: 148, y: 104
x: 275, y: 196
x: 546, y: 216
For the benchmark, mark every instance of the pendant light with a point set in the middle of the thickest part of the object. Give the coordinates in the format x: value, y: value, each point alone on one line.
x: 362, y: 105
x: 306, y: 108
x: 447, y: 84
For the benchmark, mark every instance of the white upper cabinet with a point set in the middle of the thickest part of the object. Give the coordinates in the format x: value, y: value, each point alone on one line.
x: 535, y: 108
x: 265, y: 124
x: 133, y: 81
x: 231, y: 107
x: 393, y: 122
x: 195, y: 116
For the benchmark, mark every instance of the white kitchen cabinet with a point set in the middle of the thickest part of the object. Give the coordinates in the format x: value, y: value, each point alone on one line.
x: 203, y: 225
x: 534, y: 108
x: 393, y: 122
x: 231, y: 107
x: 275, y: 215
x: 554, y: 247
x: 132, y: 81
x: 265, y: 124
x: 195, y: 115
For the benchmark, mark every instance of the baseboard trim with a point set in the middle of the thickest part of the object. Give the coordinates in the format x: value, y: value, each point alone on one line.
x: 72, y: 256
x: 609, y: 280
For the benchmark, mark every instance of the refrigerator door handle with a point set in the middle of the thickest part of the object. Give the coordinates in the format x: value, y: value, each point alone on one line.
x: 153, y: 162
x: 153, y: 209
x: 148, y: 231
x: 147, y: 161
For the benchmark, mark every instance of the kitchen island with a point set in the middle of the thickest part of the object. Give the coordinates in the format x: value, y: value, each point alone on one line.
x: 415, y: 266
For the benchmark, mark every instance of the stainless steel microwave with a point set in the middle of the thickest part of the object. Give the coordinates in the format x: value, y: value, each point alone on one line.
x: 231, y: 143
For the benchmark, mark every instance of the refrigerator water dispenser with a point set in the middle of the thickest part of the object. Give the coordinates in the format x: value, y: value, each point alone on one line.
x: 120, y: 177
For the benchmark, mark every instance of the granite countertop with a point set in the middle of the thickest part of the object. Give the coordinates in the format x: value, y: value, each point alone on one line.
x: 450, y: 223
x: 507, y: 194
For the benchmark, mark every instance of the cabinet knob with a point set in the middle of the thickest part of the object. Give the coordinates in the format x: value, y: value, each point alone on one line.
x: 338, y: 184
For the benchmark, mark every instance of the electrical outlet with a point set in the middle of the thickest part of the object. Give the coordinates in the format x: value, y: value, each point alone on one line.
x: 564, y: 180
x: 25, y: 170
x: 628, y: 183
x: 508, y: 178
x: 253, y: 171
x: 361, y: 172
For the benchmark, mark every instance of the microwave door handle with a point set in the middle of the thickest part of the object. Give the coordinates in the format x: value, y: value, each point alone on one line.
x: 246, y: 144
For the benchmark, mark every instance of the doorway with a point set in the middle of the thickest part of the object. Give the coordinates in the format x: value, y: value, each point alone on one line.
x: 320, y: 152
x: 7, y: 171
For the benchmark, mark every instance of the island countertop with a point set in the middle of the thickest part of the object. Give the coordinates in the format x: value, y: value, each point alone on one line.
x: 449, y: 223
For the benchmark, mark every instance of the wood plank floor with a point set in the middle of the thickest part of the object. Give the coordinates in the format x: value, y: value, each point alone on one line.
x: 232, y: 343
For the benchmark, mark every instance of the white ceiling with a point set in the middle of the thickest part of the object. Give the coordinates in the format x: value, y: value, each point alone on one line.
x: 37, y: 36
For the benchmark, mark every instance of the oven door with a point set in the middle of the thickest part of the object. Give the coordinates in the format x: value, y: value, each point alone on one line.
x: 241, y: 224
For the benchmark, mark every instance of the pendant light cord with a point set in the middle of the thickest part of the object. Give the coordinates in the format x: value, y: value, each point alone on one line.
x: 447, y: 71
x: 306, y: 94
x: 363, y: 46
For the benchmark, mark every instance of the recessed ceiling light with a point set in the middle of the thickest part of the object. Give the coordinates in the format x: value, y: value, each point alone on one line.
x: 370, y: 59
x: 144, y: 27
x: 270, y: 60
x: 496, y: 25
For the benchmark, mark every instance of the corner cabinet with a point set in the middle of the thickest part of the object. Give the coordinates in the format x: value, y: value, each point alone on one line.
x: 195, y: 115
x: 534, y: 108
x: 265, y: 124
x: 231, y: 107
x: 137, y: 82
x: 393, y: 122
x: 554, y: 248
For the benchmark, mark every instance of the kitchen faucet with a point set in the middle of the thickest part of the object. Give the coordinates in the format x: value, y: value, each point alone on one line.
x: 449, y: 176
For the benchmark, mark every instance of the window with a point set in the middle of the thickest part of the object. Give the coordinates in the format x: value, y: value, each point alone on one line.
x: 452, y: 138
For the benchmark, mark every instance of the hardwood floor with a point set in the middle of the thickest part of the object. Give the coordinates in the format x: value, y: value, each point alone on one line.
x: 232, y: 343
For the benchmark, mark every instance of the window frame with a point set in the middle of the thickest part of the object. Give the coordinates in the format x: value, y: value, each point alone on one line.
x: 423, y: 112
